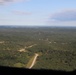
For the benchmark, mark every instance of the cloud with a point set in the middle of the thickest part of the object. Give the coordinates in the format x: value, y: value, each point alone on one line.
x: 67, y: 15
x: 10, y: 1
x: 21, y: 12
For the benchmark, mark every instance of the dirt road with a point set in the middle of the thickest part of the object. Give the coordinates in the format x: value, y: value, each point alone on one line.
x: 36, y: 55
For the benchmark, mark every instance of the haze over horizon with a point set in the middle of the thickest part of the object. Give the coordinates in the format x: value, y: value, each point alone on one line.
x: 38, y: 12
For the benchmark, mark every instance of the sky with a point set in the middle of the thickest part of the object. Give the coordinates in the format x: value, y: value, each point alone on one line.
x: 38, y: 12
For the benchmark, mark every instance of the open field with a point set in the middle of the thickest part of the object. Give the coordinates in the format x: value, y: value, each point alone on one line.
x: 56, y: 45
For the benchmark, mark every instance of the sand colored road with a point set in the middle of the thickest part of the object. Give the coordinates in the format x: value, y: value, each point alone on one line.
x: 36, y: 55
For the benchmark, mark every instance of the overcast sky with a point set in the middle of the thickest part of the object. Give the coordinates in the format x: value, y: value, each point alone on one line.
x: 38, y: 12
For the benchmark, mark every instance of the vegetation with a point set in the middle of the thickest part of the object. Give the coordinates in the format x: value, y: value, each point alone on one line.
x: 56, y: 47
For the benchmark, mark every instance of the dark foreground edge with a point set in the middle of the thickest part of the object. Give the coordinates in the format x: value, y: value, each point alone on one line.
x: 23, y: 71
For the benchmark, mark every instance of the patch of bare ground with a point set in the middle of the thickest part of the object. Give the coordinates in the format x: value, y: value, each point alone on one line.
x: 1, y: 42
x: 22, y: 50
x: 31, y: 46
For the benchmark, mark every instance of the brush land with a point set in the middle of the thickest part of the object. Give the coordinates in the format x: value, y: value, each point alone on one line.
x: 55, y: 46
